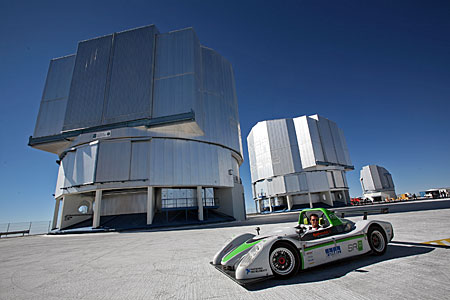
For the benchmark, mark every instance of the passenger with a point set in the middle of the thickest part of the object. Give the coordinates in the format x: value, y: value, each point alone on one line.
x: 314, y: 221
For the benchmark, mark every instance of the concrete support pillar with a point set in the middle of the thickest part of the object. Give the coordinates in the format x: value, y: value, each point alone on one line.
x: 61, y: 216
x: 270, y: 205
x: 310, y: 200
x: 260, y: 205
x: 97, y: 208
x: 200, y: 203
x: 331, y: 198
x: 289, y: 201
x: 150, y: 205
x: 55, y: 214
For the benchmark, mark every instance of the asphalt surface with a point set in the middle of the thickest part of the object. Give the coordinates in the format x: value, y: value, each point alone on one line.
x: 175, y: 264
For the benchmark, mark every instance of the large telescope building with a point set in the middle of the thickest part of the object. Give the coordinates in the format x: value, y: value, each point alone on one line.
x: 377, y: 183
x: 300, y: 161
x: 144, y: 124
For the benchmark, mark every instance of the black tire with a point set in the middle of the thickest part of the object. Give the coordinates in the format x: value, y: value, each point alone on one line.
x: 377, y: 240
x: 284, y: 260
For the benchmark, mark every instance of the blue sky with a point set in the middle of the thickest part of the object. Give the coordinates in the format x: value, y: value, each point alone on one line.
x: 379, y: 69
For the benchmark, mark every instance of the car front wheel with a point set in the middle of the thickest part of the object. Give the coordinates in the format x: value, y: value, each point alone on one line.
x: 284, y: 260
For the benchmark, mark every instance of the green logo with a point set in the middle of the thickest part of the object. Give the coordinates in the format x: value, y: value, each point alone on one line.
x: 360, y: 246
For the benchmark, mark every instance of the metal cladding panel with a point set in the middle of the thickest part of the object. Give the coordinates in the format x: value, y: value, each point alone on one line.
x: 308, y: 141
x: 262, y: 151
x: 337, y: 143
x: 87, y: 91
x: 281, y: 154
x: 174, y: 95
x: 85, y: 161
x: 68, y: 163
x: 292, y: 183
x: 344, y: 177
x: 60, y: 181
x: 390, y: 181
x: 339, y: 178
x: 51, y: 117
x: 176, y: 53
x: 140, y: 160
x: 54, y: 99
x: 113, y: 161
x: 348, y: 162
x: 375, y: 177
x: 296, y: 159
x: 78, y: 167
x: 315, y: 140
x: 331, y: 181
x: 59, y: 78
x: 317, y: 181
x: 252, y: 157
x: 177, y: 75
x: 282, y: 161
x: 276, y: 186
x: 217, y: 121
x: 385, y: 178
x: 234, y: 165
x: 226, y: 162
x: 130, y: 88
x: 157, y: 161
x: 219, y: 100
x: 189, y: 163
x: 327, y: 139
x: 367, y: 182
x: 303, y: 182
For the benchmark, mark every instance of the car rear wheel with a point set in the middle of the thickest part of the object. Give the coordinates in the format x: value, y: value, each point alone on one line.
x: 284, y: 260
x: 377, y: 240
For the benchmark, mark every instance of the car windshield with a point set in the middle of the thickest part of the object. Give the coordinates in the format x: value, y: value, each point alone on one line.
x: 326, y: 218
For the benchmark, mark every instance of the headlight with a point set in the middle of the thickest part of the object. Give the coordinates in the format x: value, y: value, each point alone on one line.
x: 250, y: 256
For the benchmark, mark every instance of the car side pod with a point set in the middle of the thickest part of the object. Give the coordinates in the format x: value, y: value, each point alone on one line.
x: 230, y: 246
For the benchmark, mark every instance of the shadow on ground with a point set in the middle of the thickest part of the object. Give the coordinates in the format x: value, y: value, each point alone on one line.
x: 341, y: 268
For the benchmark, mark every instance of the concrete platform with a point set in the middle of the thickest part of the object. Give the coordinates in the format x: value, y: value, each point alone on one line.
x: 175, y: 265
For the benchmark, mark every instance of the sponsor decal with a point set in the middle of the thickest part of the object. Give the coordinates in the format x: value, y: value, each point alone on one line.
x: 360, y: 245
x: 333, y: 251
x: 308, y: 253
x: 316, y: 234
x: 255, y: 270
x: 355, y: 246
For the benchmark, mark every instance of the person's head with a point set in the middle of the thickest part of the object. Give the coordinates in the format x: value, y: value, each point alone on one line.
x: 314, y: 220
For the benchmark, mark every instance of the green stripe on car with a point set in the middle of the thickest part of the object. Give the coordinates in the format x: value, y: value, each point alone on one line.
x: 337, y: 241
x: 239, y: 249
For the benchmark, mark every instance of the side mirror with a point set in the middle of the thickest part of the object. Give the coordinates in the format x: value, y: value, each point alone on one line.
x: 257, y: 230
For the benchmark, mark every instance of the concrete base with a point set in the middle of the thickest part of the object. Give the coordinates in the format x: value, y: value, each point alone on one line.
x: 121, y: 265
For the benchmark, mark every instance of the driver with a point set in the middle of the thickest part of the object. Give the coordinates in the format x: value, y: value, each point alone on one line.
x: 314, y: 219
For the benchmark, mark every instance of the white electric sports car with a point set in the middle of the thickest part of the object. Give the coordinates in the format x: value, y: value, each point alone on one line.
x: 248, y: 257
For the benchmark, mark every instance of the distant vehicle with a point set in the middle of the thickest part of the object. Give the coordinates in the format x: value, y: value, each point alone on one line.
x: 437, y: 193
x: 405, y: 196
x: 248, y: 257
x: 356, y: 201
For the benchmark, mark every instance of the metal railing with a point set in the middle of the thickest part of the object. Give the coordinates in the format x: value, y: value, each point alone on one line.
x: 188, y: 202
x: 22, y: 228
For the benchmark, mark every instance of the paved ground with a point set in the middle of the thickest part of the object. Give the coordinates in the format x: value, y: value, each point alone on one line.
x: 175, y: 265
